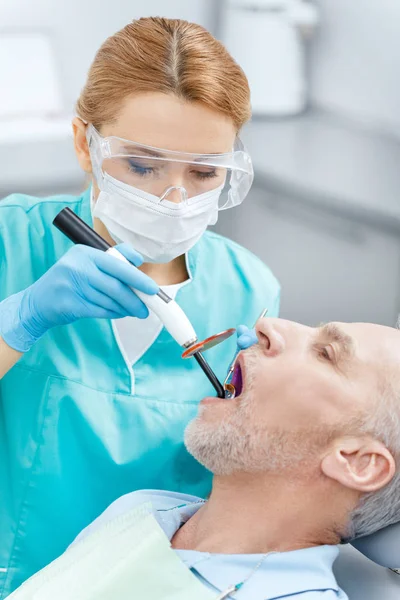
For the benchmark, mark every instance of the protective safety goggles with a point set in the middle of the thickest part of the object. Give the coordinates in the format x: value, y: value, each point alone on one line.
x: 156, y: 170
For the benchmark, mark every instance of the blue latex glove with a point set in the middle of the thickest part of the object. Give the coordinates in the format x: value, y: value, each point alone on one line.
x: 246, y: 337
x: 84, y: 283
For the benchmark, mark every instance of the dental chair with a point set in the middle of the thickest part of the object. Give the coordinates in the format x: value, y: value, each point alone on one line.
x: 369, y: 572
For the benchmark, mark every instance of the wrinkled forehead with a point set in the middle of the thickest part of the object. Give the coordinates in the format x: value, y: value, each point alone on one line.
x: 376, y: 345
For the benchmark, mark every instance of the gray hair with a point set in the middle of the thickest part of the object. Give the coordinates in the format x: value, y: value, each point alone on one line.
x: 380, y: 509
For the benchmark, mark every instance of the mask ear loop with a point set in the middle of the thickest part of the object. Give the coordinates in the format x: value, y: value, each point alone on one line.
x: 182, y: 190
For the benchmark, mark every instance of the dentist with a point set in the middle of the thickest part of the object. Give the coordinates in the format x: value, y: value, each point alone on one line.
x: 99, y: 397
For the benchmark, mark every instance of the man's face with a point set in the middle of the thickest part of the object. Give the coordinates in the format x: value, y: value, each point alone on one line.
x: 302, y: 388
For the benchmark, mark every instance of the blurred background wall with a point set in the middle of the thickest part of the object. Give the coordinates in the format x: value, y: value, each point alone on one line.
x: 355, y: 61
x: 79, y: 27
x: 324, y: 211
x: 75, y: 29
x: 325, y: 208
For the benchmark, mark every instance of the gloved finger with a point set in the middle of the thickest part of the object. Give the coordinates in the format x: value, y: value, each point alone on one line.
x: 246, y: 337
x: 120, y: 295
x: 134, y: 257
x: 96, y: 298
x: 242, y: 329
x: 97, y: 312
x: 128, y: 274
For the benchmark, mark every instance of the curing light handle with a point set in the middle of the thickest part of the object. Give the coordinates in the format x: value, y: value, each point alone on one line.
x: 167, y: 310
x: 78, y: 231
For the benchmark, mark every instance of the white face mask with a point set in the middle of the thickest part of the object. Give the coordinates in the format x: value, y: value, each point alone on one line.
x: 159, y: 230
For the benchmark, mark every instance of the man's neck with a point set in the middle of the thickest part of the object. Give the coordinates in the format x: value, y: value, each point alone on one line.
x: 258, y: 514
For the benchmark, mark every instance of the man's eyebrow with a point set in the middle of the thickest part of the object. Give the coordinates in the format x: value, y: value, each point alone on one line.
x: 333, y: 333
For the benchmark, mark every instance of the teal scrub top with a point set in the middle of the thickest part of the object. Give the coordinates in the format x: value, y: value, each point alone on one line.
x: 73, y: 436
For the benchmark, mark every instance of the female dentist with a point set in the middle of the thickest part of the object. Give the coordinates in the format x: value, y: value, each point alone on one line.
x: 97, y: 404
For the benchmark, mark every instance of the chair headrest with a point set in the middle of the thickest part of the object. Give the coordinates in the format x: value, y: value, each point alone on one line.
x: 383, y: 547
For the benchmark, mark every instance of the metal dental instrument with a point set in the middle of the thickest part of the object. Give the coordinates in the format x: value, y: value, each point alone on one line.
x: 168, y: 311
x: 228, y: 387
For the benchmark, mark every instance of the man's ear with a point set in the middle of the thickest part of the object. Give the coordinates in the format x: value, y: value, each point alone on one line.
x: 361, y: 464
x: 81, y: 145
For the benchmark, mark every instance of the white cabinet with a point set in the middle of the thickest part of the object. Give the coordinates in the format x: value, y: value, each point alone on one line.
x: 331, y: 267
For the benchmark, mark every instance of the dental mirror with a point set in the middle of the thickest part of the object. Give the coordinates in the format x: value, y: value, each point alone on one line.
x: 208, y: 343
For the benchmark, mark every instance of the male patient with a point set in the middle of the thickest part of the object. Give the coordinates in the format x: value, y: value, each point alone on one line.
x: 303, y: 457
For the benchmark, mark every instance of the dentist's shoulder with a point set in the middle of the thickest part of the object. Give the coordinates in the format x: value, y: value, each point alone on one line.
x: 230, y: 260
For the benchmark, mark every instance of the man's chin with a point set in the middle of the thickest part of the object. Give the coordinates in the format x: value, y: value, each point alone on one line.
x: 218, y: 446
x: 201, y: 441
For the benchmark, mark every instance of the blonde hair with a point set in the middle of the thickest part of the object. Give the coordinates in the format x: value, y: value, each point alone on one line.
x: 170, y: 56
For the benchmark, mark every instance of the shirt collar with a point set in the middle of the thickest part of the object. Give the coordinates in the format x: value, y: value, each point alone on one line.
x: 281, y: 574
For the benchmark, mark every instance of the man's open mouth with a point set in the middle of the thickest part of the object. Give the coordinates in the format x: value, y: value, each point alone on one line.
x: 237, y: 378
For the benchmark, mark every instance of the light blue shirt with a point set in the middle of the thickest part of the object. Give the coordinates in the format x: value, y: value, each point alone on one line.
x: 301, y: 574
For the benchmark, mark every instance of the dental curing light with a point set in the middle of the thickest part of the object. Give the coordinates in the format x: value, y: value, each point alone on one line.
x: 167, y: 310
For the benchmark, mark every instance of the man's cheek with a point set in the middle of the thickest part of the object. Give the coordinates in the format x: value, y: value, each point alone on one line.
x: 285, y: 398
x: 269, y: 398
x: 272, y: 386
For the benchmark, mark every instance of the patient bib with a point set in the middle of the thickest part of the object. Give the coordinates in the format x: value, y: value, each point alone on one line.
x: 129, y: 557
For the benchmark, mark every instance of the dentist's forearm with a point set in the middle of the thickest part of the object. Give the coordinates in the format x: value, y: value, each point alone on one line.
x: 8, y: 357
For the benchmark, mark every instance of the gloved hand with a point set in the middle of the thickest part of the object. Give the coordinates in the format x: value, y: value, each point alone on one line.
x: 246, y: 337
x: 84, y: 283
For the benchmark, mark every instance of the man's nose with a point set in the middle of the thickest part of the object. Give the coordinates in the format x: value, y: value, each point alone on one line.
x: 269, y: 336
